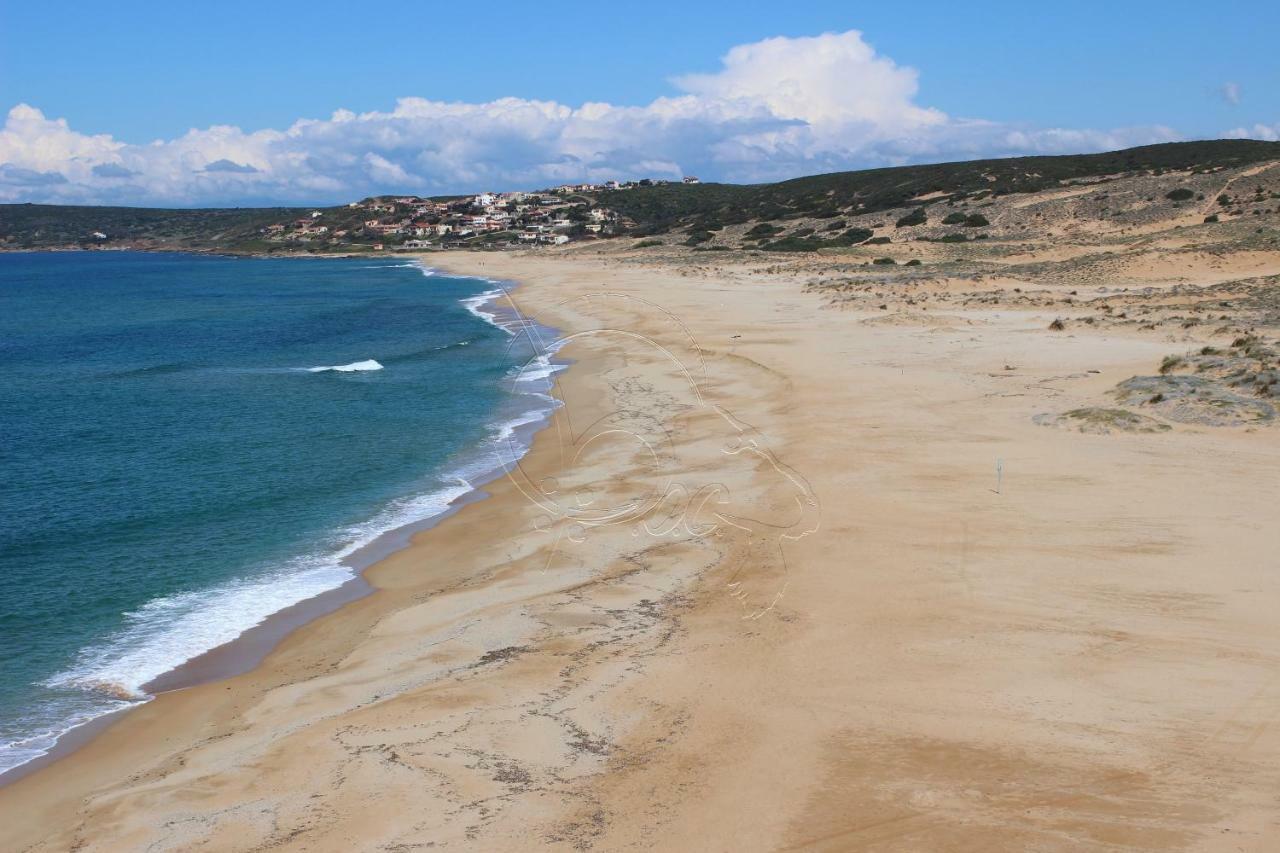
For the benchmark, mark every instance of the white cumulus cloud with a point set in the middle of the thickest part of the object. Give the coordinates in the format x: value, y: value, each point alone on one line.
x: 777, y: 108
x: 1267, y: 132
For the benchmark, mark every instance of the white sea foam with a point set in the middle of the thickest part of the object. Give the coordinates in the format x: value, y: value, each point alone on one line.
x: 168, y: 631
x: 38, y: 737
x: 538, y: 369
x: 475, y: 304
x: 353, y: 367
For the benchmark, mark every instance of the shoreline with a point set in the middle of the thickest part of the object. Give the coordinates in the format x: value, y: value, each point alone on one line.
x: 252, y: 646
x: 243, y: 255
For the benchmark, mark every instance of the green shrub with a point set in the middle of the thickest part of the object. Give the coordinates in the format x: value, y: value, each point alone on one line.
x: 976, y: 220
x: 764, y: 229
x: 1213, y: 217
x: 954, y: 219
x: 854, y: 236
x: 645, y: 244
x: 878, y: 241
x: 954, y: 238
x: 698, y: 237
x: 915, y: 217
x: 795, y: 244
x: 802, y: 241
x: 1180, y: 194
x: 884, y: 261
x: 914, y: 262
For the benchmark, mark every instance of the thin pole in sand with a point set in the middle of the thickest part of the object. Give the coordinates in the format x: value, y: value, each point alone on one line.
x: 999, y: 473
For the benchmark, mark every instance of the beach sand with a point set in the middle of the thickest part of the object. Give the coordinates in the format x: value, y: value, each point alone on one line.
x: 783, y: 573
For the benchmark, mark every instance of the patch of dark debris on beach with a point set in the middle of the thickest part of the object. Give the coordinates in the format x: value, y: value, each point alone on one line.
x: 1232, y: 386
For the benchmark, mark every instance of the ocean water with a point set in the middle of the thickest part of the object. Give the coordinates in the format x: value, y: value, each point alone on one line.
x: 189, y: 444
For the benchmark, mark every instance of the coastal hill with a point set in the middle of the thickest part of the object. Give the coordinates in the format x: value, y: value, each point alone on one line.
x: 945, y: 201
x: 872, y: 190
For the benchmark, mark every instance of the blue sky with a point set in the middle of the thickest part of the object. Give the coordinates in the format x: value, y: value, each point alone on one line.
x: 1109, y: 73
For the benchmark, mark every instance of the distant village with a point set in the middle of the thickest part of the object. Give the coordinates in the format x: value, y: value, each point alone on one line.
x: 551, y: 217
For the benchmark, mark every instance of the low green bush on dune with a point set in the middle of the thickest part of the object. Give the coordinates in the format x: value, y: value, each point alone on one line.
x: 915, y: 217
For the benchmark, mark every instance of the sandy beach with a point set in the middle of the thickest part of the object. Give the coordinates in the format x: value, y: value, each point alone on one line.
x: 789, y: 570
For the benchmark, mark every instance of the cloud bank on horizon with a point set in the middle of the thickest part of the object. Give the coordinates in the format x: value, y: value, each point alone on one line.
x: 776, y: 109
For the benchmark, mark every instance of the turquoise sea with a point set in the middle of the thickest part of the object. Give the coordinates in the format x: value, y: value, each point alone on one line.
x: 189, y: 444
